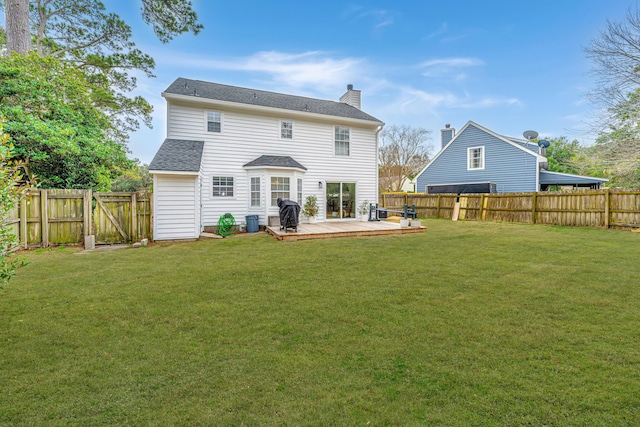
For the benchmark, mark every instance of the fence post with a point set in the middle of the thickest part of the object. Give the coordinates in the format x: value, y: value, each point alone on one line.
x: 485, y: 202
x: 44, y: 218
x: 480, y: 214
x: 151, y: 216
x: 88, y: 213
x: 134, y: 217
x: 534, y: 200
x: 384, y: 200
x: 23, y: 222
x: 438, y: 206
x: 607, y: 203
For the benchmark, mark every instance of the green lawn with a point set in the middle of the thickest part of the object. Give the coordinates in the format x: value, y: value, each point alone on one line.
x: 467, y: 324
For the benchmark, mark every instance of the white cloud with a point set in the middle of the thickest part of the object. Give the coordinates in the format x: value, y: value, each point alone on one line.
x: 440, y: 31
x: 381, y: 17
x: 448, y: 67
x: 299, y: 71
x: 452, y: 62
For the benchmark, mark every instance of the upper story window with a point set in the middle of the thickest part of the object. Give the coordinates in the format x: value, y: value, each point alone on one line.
x: 214, y: 121
x: 341, y: 141
x: 223, y: 186
x: 475, y: 158
x: 286, y: 129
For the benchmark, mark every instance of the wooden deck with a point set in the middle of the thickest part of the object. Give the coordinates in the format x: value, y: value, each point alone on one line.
x: 325, y: 230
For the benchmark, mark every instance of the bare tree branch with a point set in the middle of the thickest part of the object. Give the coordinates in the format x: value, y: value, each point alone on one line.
x: 403, y: 152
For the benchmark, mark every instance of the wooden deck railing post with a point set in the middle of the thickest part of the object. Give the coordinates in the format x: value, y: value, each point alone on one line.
x: 44, y: 218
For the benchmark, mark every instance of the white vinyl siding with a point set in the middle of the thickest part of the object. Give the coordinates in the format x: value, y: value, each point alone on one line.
x: 279, y: 189
x: 299, y: 191
x: 249, y: 136
x: 175, y: 207
x: 341, y: 141
x: 475, y: 158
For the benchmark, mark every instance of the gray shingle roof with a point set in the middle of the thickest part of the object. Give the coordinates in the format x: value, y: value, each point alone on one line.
x: 262, y: 98
x: 178, y: 155
x: 275, y: 161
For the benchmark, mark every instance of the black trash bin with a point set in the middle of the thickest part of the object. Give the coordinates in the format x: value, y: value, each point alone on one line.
x: 252, y: 223
x: 289, y: 213
x: 382, y: 213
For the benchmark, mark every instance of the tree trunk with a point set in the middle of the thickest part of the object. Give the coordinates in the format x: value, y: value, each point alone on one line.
x: 17, y: 21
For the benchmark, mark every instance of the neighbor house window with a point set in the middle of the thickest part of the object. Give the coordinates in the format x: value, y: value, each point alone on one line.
x: 286, y: 129
x: 475, y: 158
x: 300, y: 191
x: 342, y: 141
x: 255, y: 192
x: 223, y: 186
x: 213, y: 122
x: 279, y: 189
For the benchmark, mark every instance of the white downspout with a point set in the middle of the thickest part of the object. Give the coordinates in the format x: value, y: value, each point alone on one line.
x: 377, y: 161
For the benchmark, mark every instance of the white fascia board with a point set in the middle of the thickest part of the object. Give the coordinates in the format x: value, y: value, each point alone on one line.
x: 162, y: 172
x: 270, y: 110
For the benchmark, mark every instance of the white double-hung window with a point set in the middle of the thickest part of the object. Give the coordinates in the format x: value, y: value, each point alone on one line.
x: 286, y: 129
x: 280, y: 188
x: 341, y: 141
x: 255, y: 192
x: 475, y: 158
x: 214, y: 122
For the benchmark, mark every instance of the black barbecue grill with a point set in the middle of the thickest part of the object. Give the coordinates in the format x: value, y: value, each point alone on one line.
x: 289, y: 213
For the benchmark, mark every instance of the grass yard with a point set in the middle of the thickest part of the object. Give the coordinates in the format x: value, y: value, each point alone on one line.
x: 467, y: 324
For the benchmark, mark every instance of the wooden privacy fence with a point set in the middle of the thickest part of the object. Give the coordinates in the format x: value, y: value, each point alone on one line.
x: 58, y: 217
x: 591, y: 208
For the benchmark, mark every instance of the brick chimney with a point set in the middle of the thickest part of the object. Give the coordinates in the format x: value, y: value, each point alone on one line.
x: 446, y: 135
x: 352, y: 97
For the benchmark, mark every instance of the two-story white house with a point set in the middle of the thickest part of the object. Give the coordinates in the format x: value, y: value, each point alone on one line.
x: 237, y: 150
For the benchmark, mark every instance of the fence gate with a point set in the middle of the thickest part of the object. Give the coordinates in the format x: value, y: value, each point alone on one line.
x: 121, y: 217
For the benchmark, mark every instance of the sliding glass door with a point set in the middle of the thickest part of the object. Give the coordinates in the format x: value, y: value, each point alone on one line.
x: 341, y: 200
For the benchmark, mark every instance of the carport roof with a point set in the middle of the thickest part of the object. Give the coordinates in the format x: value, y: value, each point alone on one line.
x: 557, y: 178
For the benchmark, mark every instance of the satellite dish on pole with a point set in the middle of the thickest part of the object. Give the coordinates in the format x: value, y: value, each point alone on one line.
x: 544, y: 143
x: 530, y: 135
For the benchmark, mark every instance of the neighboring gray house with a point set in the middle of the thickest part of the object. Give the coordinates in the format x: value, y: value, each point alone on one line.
x: 477, y: 159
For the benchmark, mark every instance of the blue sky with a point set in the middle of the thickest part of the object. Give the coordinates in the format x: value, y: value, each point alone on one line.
x: 507, y: 65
